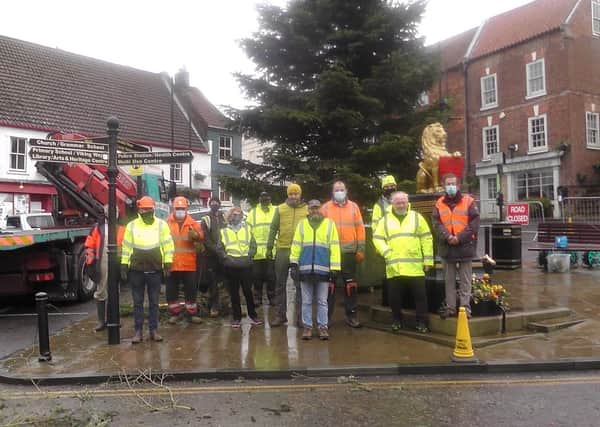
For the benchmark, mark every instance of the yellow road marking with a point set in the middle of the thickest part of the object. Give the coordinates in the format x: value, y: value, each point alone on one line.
x: 147, y: 390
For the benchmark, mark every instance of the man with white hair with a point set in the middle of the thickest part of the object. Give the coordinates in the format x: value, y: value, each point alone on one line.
x: 404, y: 240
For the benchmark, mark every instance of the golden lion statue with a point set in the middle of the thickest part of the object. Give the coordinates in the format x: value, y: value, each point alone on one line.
x: 433, y: 146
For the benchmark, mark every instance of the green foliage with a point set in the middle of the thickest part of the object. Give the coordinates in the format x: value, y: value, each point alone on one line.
x: 336, y: 87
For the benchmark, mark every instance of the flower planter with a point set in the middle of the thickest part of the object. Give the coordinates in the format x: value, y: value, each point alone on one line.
x: 485, y: 308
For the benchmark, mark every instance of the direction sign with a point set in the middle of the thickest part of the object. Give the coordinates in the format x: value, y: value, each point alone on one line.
x: 84, y: 144
x: 154, y: 158
x: 61, y: 155
x: 517, y: 213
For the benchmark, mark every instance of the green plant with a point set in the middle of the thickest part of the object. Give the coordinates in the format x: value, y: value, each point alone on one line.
x: 546, y: 203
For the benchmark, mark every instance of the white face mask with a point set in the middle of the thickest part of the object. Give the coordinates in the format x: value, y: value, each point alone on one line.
x: 451, y: 190
x: 179, y: 214
x: 339, y: 196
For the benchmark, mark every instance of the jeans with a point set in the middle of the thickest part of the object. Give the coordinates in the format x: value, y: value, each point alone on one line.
x: 321, y: 287
x: 139, y: 281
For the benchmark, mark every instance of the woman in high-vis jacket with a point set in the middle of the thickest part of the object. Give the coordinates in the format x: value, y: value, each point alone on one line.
x: 236, y: 249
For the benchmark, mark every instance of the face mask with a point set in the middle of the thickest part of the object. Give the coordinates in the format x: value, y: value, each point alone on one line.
x: 451, y: 190
x: 214, y: 208
x: 339, y: 196
x: 147, y: 217
x: 235, y: 219
x: 179, y: 215
x: 387, y: 192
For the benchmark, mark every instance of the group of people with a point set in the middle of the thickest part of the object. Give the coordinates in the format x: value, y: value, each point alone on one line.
x: 319, y: 244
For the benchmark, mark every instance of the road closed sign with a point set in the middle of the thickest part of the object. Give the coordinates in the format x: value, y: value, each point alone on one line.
x: 517, y: 213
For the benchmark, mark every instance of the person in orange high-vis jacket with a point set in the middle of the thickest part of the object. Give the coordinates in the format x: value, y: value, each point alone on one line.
x: 96, y: 260
x: 351, y: 231
x: 455, y: 219
x: 186, y: 233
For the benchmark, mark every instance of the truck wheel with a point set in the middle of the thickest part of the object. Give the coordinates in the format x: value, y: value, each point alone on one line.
x: 86, y: 286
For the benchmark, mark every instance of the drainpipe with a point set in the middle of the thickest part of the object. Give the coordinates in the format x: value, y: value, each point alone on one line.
x: 466, y: 94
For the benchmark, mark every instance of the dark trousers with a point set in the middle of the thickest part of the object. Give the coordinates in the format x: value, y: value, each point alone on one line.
x: 348, y: 274
x: 263, y: 271
x: 210, y: 274
x: 236, y: 278
x: 282, y: 267
x: 139, y: 282
x: 398, y: 287
x: 190, y: 291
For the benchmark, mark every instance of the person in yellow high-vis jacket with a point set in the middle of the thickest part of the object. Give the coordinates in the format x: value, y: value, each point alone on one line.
x: 404, y: 240
x: 147, y: 255
x: 263, y: 270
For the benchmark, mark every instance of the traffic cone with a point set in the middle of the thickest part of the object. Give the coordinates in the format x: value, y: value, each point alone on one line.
x: 463, y: 350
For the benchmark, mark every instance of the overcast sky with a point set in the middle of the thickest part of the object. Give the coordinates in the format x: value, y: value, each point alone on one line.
x: 201, y: 35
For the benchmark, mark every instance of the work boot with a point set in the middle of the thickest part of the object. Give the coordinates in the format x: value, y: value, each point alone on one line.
x: 213, y: 313
x: 421, y: 328
x: 195, y: 319
x: 307, y: 334
x: 352, y: 321
x: 155, y: 337
x: 173, y: 319
x: 396, y: 326
x: 101, y: 308
x: 323, y: 333
x: 446, y: 312
x: 137, y: 338
x: 255, y: 321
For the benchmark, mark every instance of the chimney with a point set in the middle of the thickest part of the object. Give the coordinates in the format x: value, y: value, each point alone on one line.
x: 182, y: 78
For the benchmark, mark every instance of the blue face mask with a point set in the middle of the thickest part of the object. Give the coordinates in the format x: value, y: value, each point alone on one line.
x: 451, y: 190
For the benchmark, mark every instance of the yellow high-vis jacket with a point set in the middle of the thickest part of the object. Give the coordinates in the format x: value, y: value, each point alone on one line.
x: 406, y: 246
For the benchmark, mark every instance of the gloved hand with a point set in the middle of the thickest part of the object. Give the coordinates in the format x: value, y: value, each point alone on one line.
x: 427, y: 268
x: 295, y: 272
x: 193, y: 234
x: 359, y: 257
x: 333, y: 276
x: 167, y: 270
x: 124, y: 272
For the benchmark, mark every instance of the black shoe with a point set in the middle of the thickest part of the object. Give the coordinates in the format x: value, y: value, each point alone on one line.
x: 421, y: 328
x: 352, y: 321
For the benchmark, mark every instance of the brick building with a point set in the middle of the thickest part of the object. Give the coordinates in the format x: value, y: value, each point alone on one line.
x: 525, y: 86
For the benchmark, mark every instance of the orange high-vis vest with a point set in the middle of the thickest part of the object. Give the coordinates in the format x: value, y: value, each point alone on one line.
x: 93, y: 243
x: 184, y: 257
x: 455, y: 220
x: 349, y: 223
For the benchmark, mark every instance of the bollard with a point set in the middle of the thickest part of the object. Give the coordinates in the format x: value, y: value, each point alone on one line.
x: 41, y: 303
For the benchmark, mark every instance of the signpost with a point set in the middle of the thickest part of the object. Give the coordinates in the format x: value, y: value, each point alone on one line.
x: 517, y: 213
x: 61, y: 155
x: 155, y: 158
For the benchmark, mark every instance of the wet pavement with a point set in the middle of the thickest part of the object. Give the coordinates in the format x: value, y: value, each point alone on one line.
x: 214, y: 346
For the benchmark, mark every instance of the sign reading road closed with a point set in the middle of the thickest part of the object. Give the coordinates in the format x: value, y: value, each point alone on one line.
x: 517, y: 213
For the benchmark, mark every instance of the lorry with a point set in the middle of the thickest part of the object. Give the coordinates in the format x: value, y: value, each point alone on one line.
x: 45, y: 251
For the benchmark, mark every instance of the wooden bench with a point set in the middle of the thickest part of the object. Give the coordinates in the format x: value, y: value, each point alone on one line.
x: 581, y: 237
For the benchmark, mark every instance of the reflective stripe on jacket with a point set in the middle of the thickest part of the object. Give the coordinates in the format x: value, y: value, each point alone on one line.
x: 379, y: 209
x: 146, y: 247
x: 316, y: 251
x: 260, y: 224
x: 454, y: 220
x: 349, y: 222
x: 236, y: 243
x: 184, y: 257
x: 406, y: 246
